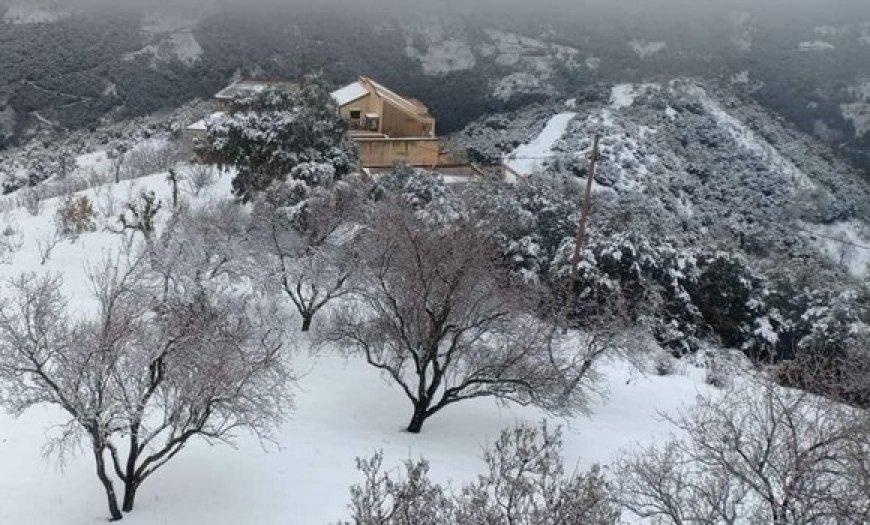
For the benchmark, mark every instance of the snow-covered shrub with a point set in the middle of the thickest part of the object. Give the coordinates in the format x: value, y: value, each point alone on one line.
x: 148, y: 158
x: 717, y: 375
x: 424, y: 192
x: 723, y: 292
x: 665, y: 365
x: 75, y: 215
x: 525, y: 484
x: 832, y: 359
x: 10, y: 242
x: 529, y: 220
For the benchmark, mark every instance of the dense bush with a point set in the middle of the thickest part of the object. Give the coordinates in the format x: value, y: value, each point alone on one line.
x: 75, y: 215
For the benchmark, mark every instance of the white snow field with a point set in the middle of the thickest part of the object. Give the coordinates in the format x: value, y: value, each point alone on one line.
x: 344, y: 409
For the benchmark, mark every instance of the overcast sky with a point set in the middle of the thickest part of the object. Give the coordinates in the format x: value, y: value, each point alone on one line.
x: 706, y: 11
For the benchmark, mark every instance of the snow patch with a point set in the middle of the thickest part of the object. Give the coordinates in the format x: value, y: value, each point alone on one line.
x: 816, y: 45
x: 111, y: 90
x: 832, y: 31
x: 858, y: 113
x: 24, y: 13
x: 740, y: 78
x: 624, y: 95
x: 645, y: 49
x: 444, y: 57
x: 181, y: 46
x: 527, y: 158
x: 520, y: 83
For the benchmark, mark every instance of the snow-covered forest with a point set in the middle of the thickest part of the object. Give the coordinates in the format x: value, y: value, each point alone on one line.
x: 247, y: 327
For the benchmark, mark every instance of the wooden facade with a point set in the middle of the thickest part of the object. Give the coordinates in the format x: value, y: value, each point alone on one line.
x: 387, y: 127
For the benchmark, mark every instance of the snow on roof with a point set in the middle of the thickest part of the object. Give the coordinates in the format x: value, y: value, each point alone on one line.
x: 349, y: 93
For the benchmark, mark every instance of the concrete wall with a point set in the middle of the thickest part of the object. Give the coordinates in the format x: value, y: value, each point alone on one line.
x: 383, y: 153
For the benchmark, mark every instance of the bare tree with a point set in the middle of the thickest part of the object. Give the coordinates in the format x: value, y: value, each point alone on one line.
x: 166, y: 358
x: 200, y: 177
x: 46, y: 244
x: 439, y: 315
x: 302, y: 251
x: 525, y: 484
x: 758, y: 454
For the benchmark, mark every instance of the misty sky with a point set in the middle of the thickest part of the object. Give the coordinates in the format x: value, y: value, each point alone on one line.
x: 575, y: 7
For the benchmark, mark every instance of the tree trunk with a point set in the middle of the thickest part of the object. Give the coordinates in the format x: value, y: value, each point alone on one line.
x: 129, y: 495
x: 417, y: 419
x: 306, y: 321
x: 131, y: 483
x: 107, y: 485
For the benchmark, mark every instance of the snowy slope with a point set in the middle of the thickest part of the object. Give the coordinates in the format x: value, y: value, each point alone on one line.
x: 528, y: 157
x: 344, y: 409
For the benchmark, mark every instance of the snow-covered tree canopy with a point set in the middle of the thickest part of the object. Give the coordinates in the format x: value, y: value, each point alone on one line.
x: 277, y: 136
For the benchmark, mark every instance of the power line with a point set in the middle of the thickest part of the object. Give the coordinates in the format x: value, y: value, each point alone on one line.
x: 823, y: 236
x: 796, y: 228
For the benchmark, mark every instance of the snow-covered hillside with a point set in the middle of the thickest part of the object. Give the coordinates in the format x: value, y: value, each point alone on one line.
x: 698, y: 164
x: 30, y: 12
x: 169, y: 38
x: 343, y: 410
x: 526, y: 65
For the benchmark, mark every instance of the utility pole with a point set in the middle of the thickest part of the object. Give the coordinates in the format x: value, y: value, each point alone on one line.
x: 581, y: 227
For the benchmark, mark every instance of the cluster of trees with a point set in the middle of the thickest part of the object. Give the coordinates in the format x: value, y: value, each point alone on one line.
x: 184, y: 336
x: 434, y: 306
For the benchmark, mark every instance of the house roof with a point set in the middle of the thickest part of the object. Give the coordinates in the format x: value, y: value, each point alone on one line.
x: 401, y: 102
x: 364, y: 86
x: 349, y: 93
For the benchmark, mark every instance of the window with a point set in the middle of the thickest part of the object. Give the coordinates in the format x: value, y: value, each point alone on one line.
x: 372, y: 121
x: 355, y: 114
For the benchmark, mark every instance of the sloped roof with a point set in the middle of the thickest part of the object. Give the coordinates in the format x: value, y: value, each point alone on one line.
x: 364, y: 85
x: 401, y: 102
x: 349, y: 93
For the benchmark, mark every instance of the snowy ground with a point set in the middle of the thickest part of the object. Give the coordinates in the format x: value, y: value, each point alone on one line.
x: 344, y: 409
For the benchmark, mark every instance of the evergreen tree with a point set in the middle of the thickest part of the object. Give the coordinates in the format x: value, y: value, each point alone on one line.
x: 276, y: 136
